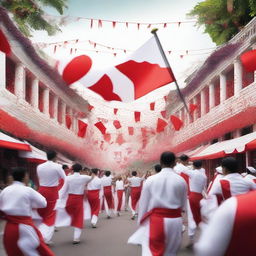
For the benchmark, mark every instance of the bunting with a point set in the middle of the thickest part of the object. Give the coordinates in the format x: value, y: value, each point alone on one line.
x: 120, y: 140
x: 192, y: 108
x: 152, y: 106
x: 68, y: 121
x: 117, y: 124
x: 163, y: 113
x: 137, y: 116
x: 115, y: 111
x: 101, y: 127
x: 131, y: 130
x: 82, y: 127
x: 177, y: 123
x: 161, y: 124
x: 4, y: 44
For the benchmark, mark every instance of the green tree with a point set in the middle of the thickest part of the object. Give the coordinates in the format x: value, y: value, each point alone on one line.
x: 222, y: 19
x: 28, y: 14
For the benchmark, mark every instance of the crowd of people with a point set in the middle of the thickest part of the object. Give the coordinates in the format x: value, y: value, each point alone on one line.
x: 161, y: 200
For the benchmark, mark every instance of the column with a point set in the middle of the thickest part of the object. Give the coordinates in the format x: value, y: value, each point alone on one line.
x: 254, y: 47
x: 63, y: 112
x: 46, y: 95
x: 211, y: 96
x: 2, y: 70
x: 238, y: 77
x: 223, y: 87
x: 74, y: 123
x: 55, y: 108
x: 203, y: 107
x: 35, y: 93
x: 19, y: 84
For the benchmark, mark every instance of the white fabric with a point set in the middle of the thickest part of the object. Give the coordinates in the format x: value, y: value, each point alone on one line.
x: 119, y: 185
x: 106, y: 181
x: 19, y: 200
x: 179, y: 168
x: 214, y: 183
x: 28, y: 240
x: 76, y: 183
x: 95, y: 184
x: 251, y: 169
x: 49, y: 174
x: 77, y: 233
x: 163, y: 190
x: 215, y: 236
x: 46, y: 231
x: 219, y: 169
x: 250, y: 177
x: 197, y: 180
x: 94, y: 219
x: 238, y: 185
x: 135, y: 181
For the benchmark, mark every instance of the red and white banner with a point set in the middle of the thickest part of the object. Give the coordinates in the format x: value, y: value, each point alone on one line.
x: 139, y: 74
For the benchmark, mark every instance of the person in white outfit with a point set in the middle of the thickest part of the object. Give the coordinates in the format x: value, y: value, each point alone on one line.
x: 163, y: 198
x: 250, y: 173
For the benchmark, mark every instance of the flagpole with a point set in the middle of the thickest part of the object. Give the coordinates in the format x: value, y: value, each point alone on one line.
x: 169, y: 68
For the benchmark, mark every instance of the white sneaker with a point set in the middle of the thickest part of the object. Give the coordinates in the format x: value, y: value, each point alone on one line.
x: 76, y: 241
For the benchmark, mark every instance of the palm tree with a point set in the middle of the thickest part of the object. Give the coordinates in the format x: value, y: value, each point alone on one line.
x: 28, y: 14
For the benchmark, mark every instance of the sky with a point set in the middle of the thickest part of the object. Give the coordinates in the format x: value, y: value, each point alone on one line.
x: 176, y: 38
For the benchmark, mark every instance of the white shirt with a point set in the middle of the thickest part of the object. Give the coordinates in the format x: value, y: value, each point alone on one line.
x: 238, y: 185
x: 179, y: 168
x: 119, y: 185
x: 197, y: 180
x: 76, y: 183
x: 250, y: 177
x: 106, y: 181
x: 165, y: 189
x: 49, y: 174
x: 135, y: 181
x: 214, y: 183
x: 19, y: 200
x: 95, y: 184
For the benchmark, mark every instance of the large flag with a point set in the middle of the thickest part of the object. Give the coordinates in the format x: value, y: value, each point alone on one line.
x: 139, y: 74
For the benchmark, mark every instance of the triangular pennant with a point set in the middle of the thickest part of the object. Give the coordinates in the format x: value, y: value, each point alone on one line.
x: 4, y: 44
x: 131, y: 130
x: 161, y: 124
x: 68, y: 121
x: 90, y: 107
x: 101, y: 127
x: 115, y: 111
x: 107, y: 137
x: 163, y: 113
x: 82, y: 127
x: 120, y: 140
x: 152, y: 106
x: 177, y: 123
x: 137, y: 116
x: 117, y: 124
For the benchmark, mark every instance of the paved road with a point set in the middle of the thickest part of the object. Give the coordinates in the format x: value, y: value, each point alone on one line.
x: 109, y: 239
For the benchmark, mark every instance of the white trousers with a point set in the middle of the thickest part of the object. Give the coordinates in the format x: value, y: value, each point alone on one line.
x: 47, y: 232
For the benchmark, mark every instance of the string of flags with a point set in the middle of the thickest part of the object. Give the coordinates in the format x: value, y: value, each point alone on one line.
x: 100, y: 23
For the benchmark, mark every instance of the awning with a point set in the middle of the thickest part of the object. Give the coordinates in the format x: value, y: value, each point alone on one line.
x: 11, y: 143
x: 221, y: 149
x: 34, y: 156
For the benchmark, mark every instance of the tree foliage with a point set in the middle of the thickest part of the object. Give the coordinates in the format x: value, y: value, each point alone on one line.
x: 223, y: 19
x: 28, y: 14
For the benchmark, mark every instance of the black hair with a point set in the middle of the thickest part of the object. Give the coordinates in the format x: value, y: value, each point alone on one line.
x: 77, y: 167
x: 198, y: 164
x: 95, y: 171
x: 107, y: 173
x: 134, y: 173
x: 51, y: 154
x: 167, y: 159
x: 158, y: 167
x: 18, y: 173
x: 64, y: 166
x: 184, y: 158
x: 230, y: 163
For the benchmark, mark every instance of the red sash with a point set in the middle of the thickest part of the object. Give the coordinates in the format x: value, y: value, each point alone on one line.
x: 225, y: 187
x: 135, y: 196
x: 93, y: 197
x: 210, y: 186
x: 254, y: 180
x: 75, y: 208
x: 120, y: 199
x: 11, y: 236
x: 186, y: 178
x: 244, y: 231
x: 109, y: 196
x: 194, y: 202
x: 157, y: 234
x: 48, y: 213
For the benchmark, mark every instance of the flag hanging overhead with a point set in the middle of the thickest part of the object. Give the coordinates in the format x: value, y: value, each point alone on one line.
x: 142, y: 72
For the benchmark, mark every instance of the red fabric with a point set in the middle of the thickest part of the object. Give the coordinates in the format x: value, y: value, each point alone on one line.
x: 161, y: 124
x: 115, y: 111
x: 4, y: 44
x: 137, y: 116
x: 120, y: 140
x: 68, y: 121
x: 135, y: 196
x: 152, y: 106
x: 131, y: 130
x: 107, y: 137
x: 194, y: 202
x: 15, y: 146
x: 225, y: 186
x: 163, y: 113
x: 244, y: 230
x: 76, y: 69
x: 90, y: 107
x: 48, y: 213
x: 248, y: 60
x: 94, y: 201
x: 119, y: 199
x: 177, y: 123
x: 109, y: 196
x: 82, y: 127
x: 61, y: 183
x: 192, y: 107
x: 156, y: 229
x: 117, y: 124
x: 186, y: 178
x: 75, y: 208
x: 210, y: 187
x: 11, y: 236
x: 101, y: 127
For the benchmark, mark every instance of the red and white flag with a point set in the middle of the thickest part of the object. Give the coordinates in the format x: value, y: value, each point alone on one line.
x: 139, y: 74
